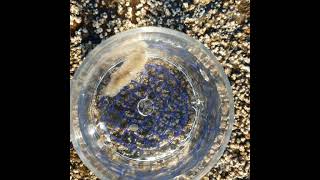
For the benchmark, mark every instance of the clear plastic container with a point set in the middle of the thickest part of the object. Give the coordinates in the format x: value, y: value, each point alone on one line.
x: 150, y: 103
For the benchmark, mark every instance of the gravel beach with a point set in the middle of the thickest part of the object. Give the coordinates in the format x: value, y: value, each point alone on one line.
x: 222, y: 26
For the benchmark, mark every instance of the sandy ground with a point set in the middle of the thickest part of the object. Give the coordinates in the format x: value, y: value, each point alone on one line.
x: 222, y: 26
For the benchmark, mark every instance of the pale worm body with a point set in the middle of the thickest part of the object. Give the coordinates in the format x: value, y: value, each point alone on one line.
x: 128, y: 71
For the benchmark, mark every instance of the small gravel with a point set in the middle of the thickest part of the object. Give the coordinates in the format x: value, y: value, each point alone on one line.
x: 223, y: 26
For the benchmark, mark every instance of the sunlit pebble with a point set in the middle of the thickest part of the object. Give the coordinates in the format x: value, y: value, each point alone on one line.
x: 139, y: 6
x: 105, y: 15
x: 167, y: 12
x: 138, y: 13
x: 95, y: 24
x: 84, y: 30
x: 246, y: 68
x: 120, y: 10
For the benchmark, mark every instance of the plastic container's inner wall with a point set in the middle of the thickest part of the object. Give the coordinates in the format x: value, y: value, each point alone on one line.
x: 170, y: 108
x: 153, y: 112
